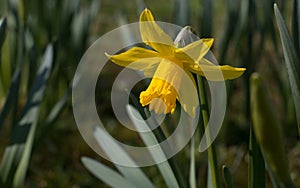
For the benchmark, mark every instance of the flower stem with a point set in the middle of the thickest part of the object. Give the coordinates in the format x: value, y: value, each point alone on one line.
x: 212, y: 157
x: 160, y: 136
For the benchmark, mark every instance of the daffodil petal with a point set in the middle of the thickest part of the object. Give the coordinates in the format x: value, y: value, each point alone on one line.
x: 153, y: 35
x: 216, y: 73
x: 195, y: 51
x: 138, y: 59
x: 188, y: 103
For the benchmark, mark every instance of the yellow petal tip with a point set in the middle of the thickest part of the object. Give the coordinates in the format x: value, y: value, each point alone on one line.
x: 208, y: 41
x: 107, y: 55
x: 146, y: 15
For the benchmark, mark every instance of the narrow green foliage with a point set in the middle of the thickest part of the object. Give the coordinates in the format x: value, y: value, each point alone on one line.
x: 207, y: 18
x: 212, y: 157
x: 256, y: 168
x: 227, y: 177
x: 193, y: 182
x: 291, y: 61
x: 54, y: 114
x: 115, y: 152
x: 160, y: 136
x: 229, y: 30
x: 150, y: 140
x: 182, y: 12
x: 17, y: 155
x: 106, y: 174
x: 295, y: 25
x: 3, y: 24
x: 268, y: 133
x: 2, y: 31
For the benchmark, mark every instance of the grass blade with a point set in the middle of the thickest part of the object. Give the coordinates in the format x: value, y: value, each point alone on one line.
x: 227, y: 177
x: 2, y: 37
x: 181, y: 12
x: 160, y: 136
x: 207, y: 18
x: 227, y: 35
x: 256, y: 168
x: 149, y: 139
x: 17, y: 154
x: 192, y: 165
x: 113, y: 150
x: 107, y: 175
x: 11, y: 96
x: 53, y: 115
x: 2, y: 31
x: 268, y: 133
x: 295, y: 24
x: 291, y: 61
x: 31, y: 112
x: 213, y: 173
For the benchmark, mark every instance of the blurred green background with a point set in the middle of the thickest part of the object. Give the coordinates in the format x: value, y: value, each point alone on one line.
x: 55, y: 34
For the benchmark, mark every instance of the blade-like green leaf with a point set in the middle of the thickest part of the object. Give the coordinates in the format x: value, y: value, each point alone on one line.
x: 17, y: 154
x: 150, y: 140
x: 94, y: 9
x: 291, y: 61
x: 182, y: 12
x: 207, y: 18
x: 31, y: 112
x: 54, y: 114
x: 227, y: 177
x: 58, y: 108
x: 267, y: 134
x: 243, y: 19
x: 107, y: 175
x: 2, y: 31
x: 298, y: 23
x: 115, y: 152
x: 256, y: 167
x: 295, y: 25
x: 11, y: 96
x: 192, y: 165
x: 140, y: 6
x: 228, y: 33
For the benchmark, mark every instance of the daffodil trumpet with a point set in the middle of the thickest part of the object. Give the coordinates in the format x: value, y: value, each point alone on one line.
x: 162, y: 65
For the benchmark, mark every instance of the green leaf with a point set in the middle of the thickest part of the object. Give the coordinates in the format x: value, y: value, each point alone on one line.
x: 227, y: 177
x: 213, y: 171
x: 150, y: 140
x: 291, y: 61
x: 256, y: 167
x: 295, y: 24
x: 243, y: 19
x: 182, y: 12
x: 231, y: 21
x: 298, y: 24
x: 266, y: 134
x: 114, y: 151
x: 11, y: 96
x: 193, y: 183
x: 31, y: 113
x: 140, y: 5
x: 17, y: 154
x: 93, y: 9
x: 54, y: 114
x: 207, y: 18
x: 2, y: 31
x: 106, y: 174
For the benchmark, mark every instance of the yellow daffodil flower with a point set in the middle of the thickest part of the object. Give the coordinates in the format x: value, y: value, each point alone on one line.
x: 167, y: 63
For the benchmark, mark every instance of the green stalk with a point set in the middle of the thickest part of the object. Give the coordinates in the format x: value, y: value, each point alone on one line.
x: 160, y: 136
x: 212, y: 157
x: 256, y: 167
